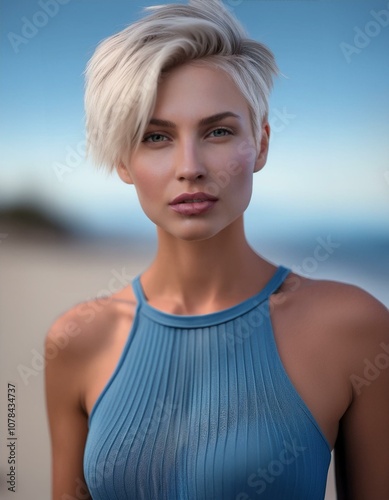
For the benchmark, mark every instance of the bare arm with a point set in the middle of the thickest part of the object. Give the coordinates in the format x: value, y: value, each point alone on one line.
x: 362, y: 447
x: 67, y: 419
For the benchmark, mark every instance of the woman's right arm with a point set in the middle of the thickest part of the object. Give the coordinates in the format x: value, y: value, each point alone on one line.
x: 66, y: 416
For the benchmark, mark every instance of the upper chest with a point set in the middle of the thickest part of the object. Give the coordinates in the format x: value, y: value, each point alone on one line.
x: 235, y: 366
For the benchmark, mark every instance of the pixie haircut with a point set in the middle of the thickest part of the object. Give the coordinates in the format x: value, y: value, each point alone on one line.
x: 123, y: 74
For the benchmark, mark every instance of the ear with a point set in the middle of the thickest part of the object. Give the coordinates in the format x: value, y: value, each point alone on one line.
x: 124, y: 173
x: 264, y: 146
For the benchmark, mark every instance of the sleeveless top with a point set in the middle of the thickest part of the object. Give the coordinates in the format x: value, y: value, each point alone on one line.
x: 200, y: 407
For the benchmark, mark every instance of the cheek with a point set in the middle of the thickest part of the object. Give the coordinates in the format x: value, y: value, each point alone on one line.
x: 147, y: 182
x: 231, y: 173
x: 245, y: 186
x: 239, y: 172
x: 147, y: 191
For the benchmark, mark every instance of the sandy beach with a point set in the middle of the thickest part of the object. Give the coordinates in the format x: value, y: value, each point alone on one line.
x: 39, y: 281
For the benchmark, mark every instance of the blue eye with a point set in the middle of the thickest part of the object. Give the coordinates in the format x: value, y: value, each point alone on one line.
x: 154, y: 138
x: 221, y: 132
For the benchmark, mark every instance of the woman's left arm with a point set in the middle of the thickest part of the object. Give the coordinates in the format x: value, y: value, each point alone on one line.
x: 362, y: 447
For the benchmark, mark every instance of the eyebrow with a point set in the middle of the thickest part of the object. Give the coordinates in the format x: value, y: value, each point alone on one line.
x: 204, y: 121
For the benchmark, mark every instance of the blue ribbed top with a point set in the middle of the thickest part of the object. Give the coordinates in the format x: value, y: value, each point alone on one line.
x: 200, y: 407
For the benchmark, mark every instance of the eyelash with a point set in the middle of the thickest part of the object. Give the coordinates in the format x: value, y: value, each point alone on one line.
x: 225, y: 129
x: 148, y: 136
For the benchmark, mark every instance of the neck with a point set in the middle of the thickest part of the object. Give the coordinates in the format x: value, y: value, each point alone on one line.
x: 194, y: 277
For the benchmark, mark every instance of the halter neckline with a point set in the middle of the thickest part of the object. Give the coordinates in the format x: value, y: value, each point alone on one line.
x: 201, y: 320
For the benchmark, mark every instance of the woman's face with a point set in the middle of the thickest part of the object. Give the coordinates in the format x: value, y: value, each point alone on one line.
x: 199, y: 140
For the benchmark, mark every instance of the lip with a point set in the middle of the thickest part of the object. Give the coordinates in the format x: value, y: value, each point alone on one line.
x: 193, y: 196
x: 203, y: 203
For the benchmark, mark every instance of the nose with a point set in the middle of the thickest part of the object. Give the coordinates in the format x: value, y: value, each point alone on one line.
x: 189, y: 164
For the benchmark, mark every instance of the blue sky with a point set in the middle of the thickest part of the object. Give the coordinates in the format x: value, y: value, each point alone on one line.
x: 330, y: 112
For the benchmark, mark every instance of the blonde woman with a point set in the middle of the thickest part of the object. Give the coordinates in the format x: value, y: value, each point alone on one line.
x: 216, y: 374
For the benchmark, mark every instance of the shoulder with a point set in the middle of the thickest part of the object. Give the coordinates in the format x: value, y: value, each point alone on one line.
x: 346, y: 306
x: 85, y: 332
x: 86, y: 326
x: 337, y: 303
x: 345, y: 317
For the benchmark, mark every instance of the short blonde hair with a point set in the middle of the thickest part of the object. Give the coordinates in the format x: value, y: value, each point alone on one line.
x: 122, y: 75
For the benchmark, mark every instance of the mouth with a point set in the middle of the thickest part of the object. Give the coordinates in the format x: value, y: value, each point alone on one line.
x: 193, y: 198
x: 189, y: 204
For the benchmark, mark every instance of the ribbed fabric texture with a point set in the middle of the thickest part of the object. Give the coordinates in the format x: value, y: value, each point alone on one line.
x: 201, y: 408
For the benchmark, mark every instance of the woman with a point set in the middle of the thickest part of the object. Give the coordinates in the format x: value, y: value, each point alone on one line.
x: 216, y: 374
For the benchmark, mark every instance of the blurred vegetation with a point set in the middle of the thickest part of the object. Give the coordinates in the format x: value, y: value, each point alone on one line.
x: 30, y: 222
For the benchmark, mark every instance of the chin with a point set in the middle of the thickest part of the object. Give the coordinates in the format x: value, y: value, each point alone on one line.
x: 192, y: 233
x: 194, y: 236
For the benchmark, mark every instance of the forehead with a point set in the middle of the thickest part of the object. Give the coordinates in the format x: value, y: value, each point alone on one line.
x: 198, y: 89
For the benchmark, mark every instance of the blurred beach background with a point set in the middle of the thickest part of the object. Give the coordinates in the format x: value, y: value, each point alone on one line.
x: 67, y: 229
